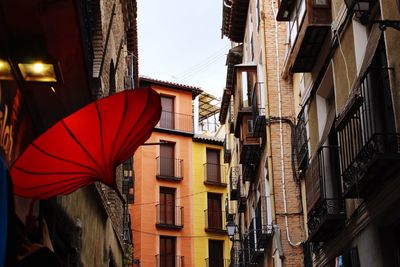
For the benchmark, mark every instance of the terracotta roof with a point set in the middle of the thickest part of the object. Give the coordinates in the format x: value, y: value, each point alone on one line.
x: 147, y: 81
x: 201, y: 138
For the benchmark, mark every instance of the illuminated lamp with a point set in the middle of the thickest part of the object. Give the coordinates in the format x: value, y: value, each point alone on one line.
x: 40, y: 70
x: 5, y: 70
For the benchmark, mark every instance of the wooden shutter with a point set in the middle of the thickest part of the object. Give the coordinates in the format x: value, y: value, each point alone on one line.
x: 214, y: 211
x: 213, y: 166
x: 167, y: 159
x: 215, y: 253
x: 167, y: 206
x: 167, y: 251
x: 167, y: 115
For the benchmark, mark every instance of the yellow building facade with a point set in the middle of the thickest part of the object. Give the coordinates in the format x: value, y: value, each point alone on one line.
x: 210, y: 188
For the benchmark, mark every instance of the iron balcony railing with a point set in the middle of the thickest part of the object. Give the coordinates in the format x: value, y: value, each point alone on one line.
x: 169, y: 168
x: 258, y: 110
x: 168, y: 260
x: 217, y: 262
x: 241, y: 197
x: 215, y: 221
x: 176, y: 121
x: 215, y: 174
x: 169, y: 216
x: 249, y: 172
x: 227, y: 152
x: 325, y: 205
x: 301, y: 142
x: 234, y: 178
x: 369, y: 145
x: 257, y: 236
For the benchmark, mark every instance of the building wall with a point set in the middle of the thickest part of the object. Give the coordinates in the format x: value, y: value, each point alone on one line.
x: 99, y: 239
x: 147, y: 188
x: 200, y: 191
x: 280, y: 104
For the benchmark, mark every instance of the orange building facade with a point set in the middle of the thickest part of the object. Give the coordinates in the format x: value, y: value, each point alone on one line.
x: 161, y: 214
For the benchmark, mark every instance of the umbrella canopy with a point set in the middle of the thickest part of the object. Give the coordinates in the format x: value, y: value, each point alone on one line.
x: 87, y: 145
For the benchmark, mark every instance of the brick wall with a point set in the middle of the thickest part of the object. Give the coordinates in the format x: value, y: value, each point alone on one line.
x: 276, y: 85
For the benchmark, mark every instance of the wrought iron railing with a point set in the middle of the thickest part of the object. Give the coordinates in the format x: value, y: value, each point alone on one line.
x: 325, y: 205
x: 215, y: 174
x: 301, y: 142
x: 227, y: 152
x: 169, y: 168
x: 258, y: 110
x: 367, y: 135
x: 217, y: 262
x: 234, y: 178
x: 176, y: 121
x: 215, y: 221
x: 167, y: 260
x: 169, y: 216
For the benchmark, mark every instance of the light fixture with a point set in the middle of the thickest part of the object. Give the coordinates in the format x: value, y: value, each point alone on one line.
x: 5, y: 70
x: 38, y: 71
x: 230, y: 229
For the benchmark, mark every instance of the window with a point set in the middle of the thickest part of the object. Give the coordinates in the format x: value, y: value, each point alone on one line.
x: 167, y: 251
x: 167, y: 206
x: 213, y: 166
x: 215, y: 253
x: 214, y: 211
x: 167, y: 159
x: 296, y: 18
x: 167, y: 115
x: 111, y: 81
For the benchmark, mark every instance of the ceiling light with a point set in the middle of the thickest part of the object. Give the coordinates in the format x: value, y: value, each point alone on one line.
x: 5, y: 70
x: 38, y: 71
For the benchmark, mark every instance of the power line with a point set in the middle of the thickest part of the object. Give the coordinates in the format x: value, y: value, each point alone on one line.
x: 156, y: 202
x: 181, y: 236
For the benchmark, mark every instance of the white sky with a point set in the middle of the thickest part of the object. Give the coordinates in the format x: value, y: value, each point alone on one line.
x: 180, y: 41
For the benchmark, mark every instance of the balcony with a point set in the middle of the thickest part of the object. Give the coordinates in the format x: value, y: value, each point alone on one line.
x: 325, y: 205
x: 244, y: 82
x: 249, y: 172
x: 301, y: 143
x: 258, y: 111
x: 369, y: 145
x: 242, y: 198
x: 233, y: 182
x: 172, y: 121
x: 309, y: 25
x: 214, y: 174
x: 169, y: 217
x: 164, y: 260
x: 230, y: 210
x: 227, y: 152
x: 215, y: 222
x: 217, y: 262
x: 169, y: 169
x: 256, y: 252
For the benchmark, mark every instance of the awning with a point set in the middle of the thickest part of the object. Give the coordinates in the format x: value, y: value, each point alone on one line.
x: 87, y: 146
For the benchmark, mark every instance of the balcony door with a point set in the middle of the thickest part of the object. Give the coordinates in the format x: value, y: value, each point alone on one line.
x: 167, y: 159
x: 214, y: 211
x: 167, y: 206
x: 167, y: 251
x: 213, y: 166
x: 167, y: 115
x: 215, y: 253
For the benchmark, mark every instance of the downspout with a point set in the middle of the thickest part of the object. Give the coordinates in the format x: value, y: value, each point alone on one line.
x: 281, y: 132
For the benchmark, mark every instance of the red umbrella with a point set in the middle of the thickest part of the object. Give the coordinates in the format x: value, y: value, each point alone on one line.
x: 87, y: 146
